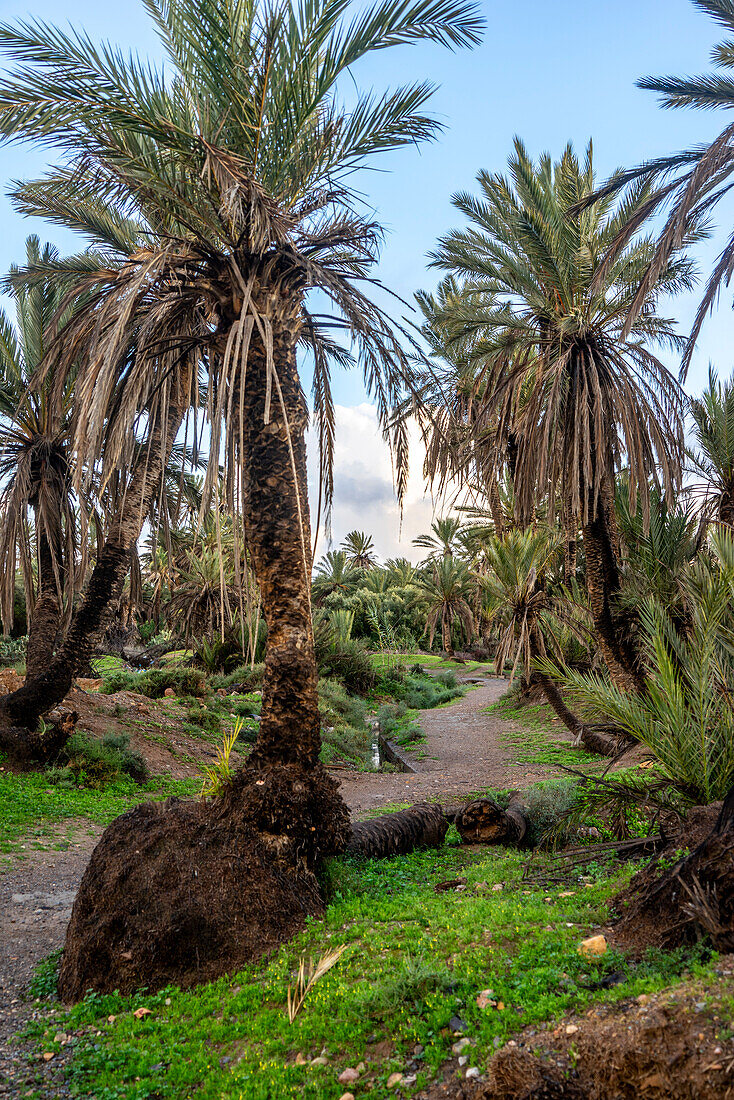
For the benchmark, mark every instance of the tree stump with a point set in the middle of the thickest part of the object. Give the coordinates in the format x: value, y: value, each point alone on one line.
x: 484, y: 822
x: 695, y: 897
x: 423, y: 825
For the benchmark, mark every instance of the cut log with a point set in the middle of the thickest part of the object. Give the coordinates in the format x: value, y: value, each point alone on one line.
x: 484, y: 822
x: 420, y: 826
x: 677, y: 905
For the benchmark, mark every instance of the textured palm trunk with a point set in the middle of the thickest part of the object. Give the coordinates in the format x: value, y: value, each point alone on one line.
x: 278, y: 536
x: 446, y: 636
x: 46, y: 618
x: 24, y: 707
x: 602, y: 582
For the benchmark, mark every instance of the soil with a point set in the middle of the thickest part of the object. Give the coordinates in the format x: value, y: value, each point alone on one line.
x: 669, y: 1046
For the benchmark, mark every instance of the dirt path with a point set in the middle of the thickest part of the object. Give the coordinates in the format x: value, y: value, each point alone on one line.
x: 464, y: 752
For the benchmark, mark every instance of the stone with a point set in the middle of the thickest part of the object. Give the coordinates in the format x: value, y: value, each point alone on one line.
x: 472, y: 1072
x: 301, y: 1060
x: 460, y: 1046
x: 394, y: 1080
x: 485, y: 999
x: 169, y: 693
x: 594, y: 946
x: 348, y: 1076
x: 322, y: 1060
x: 571, y: 1029
x: 463, y: 1060
x: 347, y: 1096
x: 361, y: 1068
x: 48, y: 1055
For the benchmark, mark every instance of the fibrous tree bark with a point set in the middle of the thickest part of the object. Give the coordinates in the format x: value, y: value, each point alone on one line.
x: 423, y: 825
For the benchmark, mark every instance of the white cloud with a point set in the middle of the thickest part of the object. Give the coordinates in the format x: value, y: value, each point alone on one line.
x: 364, y: 495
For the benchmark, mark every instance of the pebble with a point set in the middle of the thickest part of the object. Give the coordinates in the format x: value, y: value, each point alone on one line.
x: 301, y: 1060
x: 463, y: 1060
x: 473, y: 1071
x: 394, y: 1080
x: 459, y: 1046
x: 320, y: 1061
x: 348, y: 1076
x: 571, y: 1029
x: 347, y: 1096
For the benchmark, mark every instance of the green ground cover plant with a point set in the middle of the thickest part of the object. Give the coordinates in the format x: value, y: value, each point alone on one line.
x: 30, y: 806
x: 415, y: 961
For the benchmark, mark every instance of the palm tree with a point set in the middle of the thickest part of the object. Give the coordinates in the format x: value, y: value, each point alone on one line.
x: 35, y: 431
x: 237, y: 161
x: 551, y: 366
x: 518, y: 600
x: 334, y: 574
x: 691, y: 182
x: 360, y: 550
x: 400, y: 572
x: 446, y: 587
x: 713, y: 432
x: 445, y: 540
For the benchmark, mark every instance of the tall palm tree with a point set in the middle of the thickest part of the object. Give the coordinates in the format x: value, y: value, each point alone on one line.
x: 360, y: 550
x: 691, y: 183
x: 35, y: 437
x: 550, y: 364
x: 446, y: 587
x: 237, y: 160
x: 713, y: 431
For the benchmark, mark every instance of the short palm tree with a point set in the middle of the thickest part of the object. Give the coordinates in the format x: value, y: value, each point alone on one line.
x: 35, y: 452
x: 334, y: 574
x: 531, y: 620
x: 360, y: 550
x: 550, y: 365
x: 237, y: 161
x: 713, y: 433
x: 446, y: 587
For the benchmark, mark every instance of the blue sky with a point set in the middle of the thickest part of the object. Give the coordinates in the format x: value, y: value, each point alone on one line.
x: 548, y: 72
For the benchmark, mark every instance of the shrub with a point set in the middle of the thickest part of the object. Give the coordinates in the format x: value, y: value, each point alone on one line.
x: 12, y: 651
x: 95, y: 763
x: 349, y: 662
x: 244, y: 678
x: 184, y: 681
x: 421, y: 692
x: 344, y: 732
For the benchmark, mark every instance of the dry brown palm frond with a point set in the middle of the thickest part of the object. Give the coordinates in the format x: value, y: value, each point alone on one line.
x: 307, y: 978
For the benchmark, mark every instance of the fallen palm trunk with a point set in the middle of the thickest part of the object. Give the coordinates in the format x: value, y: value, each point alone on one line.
x: 423, y: 825
x: 677, y: 905
x: 483, y: 821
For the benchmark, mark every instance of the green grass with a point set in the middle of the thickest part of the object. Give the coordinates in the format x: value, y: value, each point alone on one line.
x: 415, y: 959
x: 434, y: 661
x: 30, y: 807
x: 534, y: 744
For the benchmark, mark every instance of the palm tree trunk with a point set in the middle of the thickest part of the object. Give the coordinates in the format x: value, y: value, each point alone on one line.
x: 592, y: 739
x: 602, y: 582
x: 37, y: 696
x: 278, y: 534
x: 46, y: 618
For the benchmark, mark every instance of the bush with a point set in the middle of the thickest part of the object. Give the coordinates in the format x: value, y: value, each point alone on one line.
x: 244, y: 679
x: 184, y: 681
x: 12, y: 651
x: 94, y: 763
x: 349, y: 662
x: 344, y: 732
x: 421, y: 692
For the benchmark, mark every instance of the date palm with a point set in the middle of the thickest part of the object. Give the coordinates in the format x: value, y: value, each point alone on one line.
x: 446, y: 588
x: 551, y: 365
x: 334, y: 574
x: 35, y: 431
x: 237, y: 160
x: 444, y: 540
x: 690, y: 183
x: 713, y: 432
x: 360, y: 550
